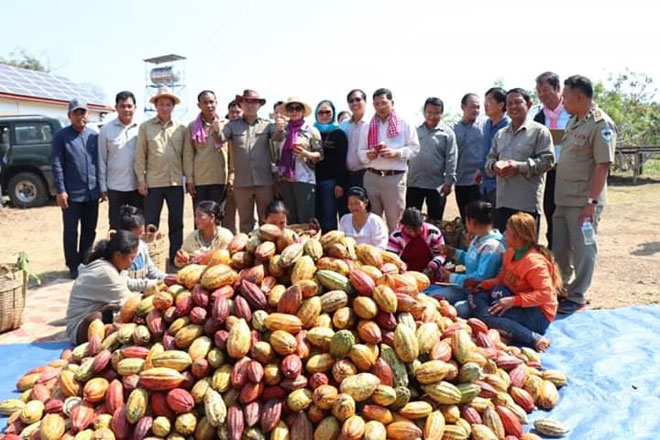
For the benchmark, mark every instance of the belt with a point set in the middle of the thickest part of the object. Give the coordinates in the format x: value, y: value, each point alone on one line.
x: 356, y: 173
x: 383, y: 173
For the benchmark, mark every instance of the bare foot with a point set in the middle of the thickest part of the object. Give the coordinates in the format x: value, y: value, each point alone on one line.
x: 542, y: 344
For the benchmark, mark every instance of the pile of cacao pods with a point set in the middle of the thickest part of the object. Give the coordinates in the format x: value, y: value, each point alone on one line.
x: 289, y: 339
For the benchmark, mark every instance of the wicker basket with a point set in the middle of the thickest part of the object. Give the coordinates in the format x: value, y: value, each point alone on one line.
x: 305, y: 229
x: 453, y: 232
x: 13, y: 288
x: 157, y: 245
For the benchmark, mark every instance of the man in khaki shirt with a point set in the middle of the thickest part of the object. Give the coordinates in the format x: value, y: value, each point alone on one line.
x: 519, y: 157
x: 581, y: 190
x: 204, y: 165
x: 158, y: 166
x: 251, y: 163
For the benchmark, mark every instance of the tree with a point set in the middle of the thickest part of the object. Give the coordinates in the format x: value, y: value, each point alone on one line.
x: 629, y: 98
x: 20, y: 58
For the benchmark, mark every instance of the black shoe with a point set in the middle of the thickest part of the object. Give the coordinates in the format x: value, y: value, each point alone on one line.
x: 73, y: 274
x: 568, y: 307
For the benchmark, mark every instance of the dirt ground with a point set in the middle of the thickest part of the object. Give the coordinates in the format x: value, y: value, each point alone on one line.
x: 628, y: 270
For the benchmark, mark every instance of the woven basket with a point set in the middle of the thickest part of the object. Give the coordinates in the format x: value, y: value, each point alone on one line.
x: 305, y: 229
x: 157, y: 245
x: 453, y: 232
x: 13, y: 288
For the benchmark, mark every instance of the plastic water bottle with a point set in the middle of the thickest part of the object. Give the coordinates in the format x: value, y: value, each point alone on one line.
x: 588, y: 233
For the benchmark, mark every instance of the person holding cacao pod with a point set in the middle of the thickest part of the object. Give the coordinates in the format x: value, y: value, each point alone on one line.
x: 100, y: 284
x: 482, y: 260
x: 522, y: 299
x: 416, y: 242
x: 143, y: 273
x: 209, y: 235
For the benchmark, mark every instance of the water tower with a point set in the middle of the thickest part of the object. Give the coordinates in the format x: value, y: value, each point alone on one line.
x: 165, y: 71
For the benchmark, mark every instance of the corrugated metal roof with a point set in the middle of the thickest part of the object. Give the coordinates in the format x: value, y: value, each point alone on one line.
x: 43, y: 85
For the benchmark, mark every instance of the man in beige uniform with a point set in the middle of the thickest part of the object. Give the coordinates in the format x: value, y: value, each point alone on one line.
x: 204, y: 165
x: 581, y: 189
x: 250, y: 164
x: 158, y: 165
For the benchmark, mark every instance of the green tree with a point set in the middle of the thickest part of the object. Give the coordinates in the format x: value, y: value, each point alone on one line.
x: 21, y: 58
x: 630, y: 100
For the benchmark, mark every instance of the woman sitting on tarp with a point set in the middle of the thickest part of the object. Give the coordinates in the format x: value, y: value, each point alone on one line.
x: 208, y: 237
x: 521, y: 301
x: 143, y: 273
x: 101, y: 286
x: 416, y: 242
x: 482, y: 260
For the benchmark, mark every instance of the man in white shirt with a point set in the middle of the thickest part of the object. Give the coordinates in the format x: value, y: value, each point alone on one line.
x: 357, y: 102
x: 386, y: 145
x: 117, y: 141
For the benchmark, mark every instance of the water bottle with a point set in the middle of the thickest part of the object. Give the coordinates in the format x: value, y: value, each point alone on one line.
x: 588, y: 233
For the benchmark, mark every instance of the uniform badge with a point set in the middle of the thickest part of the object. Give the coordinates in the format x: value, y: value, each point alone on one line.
x: 607, y: 134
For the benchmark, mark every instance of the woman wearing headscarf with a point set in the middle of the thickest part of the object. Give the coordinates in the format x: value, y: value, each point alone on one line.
x: 331, y: 171
x: 299, y: 149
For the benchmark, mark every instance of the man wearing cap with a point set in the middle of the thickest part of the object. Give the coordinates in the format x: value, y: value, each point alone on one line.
x: 204, y: 165
x: 74, y: 162
x: 387, y: 143
x: 117, y: 141
x: 250, y: 167
x: 159, y: 166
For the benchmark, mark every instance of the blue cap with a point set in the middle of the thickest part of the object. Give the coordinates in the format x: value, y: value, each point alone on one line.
x: 77, y: 103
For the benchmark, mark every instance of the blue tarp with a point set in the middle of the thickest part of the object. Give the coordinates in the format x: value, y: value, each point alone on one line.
x: 611, y: 357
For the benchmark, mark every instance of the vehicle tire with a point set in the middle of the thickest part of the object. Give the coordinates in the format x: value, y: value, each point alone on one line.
x: 27, y: 190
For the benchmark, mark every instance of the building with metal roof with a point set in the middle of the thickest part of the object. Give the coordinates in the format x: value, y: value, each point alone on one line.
x: 24, y: 91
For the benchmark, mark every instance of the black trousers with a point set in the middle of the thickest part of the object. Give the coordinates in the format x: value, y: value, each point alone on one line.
x: 215, y: 193
x: 355, y: 178
x: 153, y: 205
x: 490, y: 197
x: 502, y: 215
x: 549, y: 202
x: 434, y: 201
x: 117, y: 199
x: 86, y: 214
x: 465, y: 195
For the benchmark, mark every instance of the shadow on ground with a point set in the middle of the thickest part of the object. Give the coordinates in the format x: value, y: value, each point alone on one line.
x: 646, y: 249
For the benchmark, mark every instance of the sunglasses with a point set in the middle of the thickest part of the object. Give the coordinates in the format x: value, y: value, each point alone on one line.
x: 352, y: 100
x: 324, y: 112
x: 294, y: 108
x: 251, y: 101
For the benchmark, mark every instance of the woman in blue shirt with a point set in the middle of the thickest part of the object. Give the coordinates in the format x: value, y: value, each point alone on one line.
x: 482, y: 260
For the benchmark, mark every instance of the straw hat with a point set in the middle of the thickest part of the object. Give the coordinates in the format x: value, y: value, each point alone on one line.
x: 294, y: 100
x: 164, y: 92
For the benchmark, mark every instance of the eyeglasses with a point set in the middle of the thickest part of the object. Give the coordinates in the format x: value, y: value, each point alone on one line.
x: 294, y: 108
x: 324, y: 112
x: 251, y: 101
x: 352, y: 100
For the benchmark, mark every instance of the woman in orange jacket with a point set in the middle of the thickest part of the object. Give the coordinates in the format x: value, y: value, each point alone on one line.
x: 522, y: 300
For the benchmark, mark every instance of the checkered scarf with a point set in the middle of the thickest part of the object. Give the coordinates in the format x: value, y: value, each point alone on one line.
x: 393, y: 128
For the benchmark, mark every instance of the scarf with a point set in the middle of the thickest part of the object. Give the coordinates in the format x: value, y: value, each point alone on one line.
x: 198, y: 132
x: 287, y: 160
x: 552, y: 116
x: 393, y: 128
x: 332, y: 125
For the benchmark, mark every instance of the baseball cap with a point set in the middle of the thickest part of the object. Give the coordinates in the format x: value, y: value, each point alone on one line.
x: 77, y: 103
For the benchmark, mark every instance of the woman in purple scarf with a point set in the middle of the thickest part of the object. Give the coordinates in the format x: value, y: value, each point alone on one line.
x: 299, y: 148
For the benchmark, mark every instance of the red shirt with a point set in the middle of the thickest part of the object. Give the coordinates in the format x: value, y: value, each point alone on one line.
x: 530, y: 280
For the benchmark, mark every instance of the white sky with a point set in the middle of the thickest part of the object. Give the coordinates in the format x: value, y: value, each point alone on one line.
x: 319, y: 50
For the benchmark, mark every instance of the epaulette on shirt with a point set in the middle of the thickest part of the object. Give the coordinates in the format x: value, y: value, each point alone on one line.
x: 598, y: 115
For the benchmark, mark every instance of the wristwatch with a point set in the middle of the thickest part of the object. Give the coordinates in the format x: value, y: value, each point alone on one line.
x: 591, y: 201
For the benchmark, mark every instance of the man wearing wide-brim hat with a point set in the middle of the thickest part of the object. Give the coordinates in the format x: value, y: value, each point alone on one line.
x: 159, y: 166
x: 250, y: 164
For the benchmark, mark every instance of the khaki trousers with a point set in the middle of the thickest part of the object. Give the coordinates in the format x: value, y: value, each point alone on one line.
x: 245, y: 198
x: 387, y: 194
x: 575, y: 259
